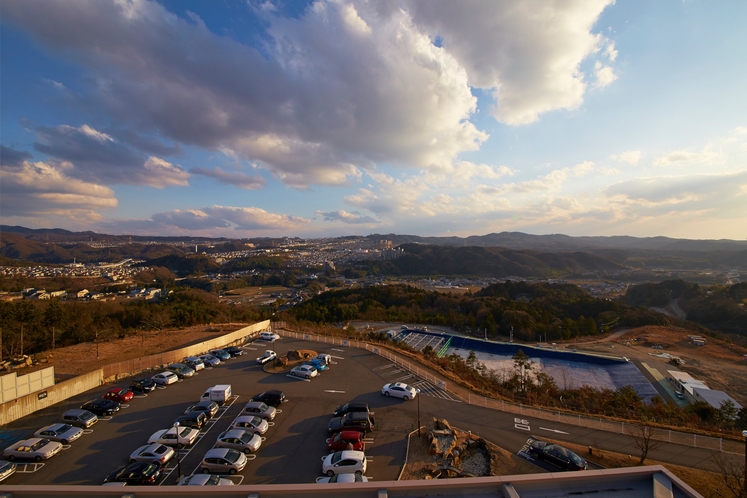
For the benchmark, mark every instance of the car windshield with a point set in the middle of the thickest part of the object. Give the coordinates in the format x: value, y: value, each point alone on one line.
x: 64, y: 428
x: 86, y: 415
x: 212, y: 480
x: 39, y: 444
x: 246, y: 437
x: 256, y: 421
x: 337, y: 457
x: 232, y: 456
x: 150, y: 469
x: 185, y: 432
x: 576, y: 459
x: 263, y: 407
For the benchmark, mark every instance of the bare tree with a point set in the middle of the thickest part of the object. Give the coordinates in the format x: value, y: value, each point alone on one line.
x: 732, y: 473
x: 158, y: 319
x: 643, y: 438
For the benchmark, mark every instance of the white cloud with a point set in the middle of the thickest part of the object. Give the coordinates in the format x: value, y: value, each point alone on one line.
x: 235, y: 178
x: 254, y: 218
x: 605, y: 75
x: 354, y: 218
x: 685, y: 156
x: 164, y: 173
x: 583, y: 169
x: 631, y: 157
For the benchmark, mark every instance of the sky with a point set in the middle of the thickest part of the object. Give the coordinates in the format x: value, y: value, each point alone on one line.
x: 237, y: 119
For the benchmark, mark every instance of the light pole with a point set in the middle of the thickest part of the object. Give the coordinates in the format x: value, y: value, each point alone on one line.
x: 744, y: 433
x: 417, y: 394
x: 176, y: 451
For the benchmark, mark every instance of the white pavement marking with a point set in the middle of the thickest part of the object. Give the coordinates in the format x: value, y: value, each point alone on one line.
x: 124, y: 405
x: 553, y: 430
x: 28, y: 468
x: 337, y: 357
x: 298, y: 378
x: 522, y: 424
x: 340, y: 350
x: 409, y: 376
x: 141, y: 395
x: 333, y: 391
x: 105, y: 418
x: 87, y: 431
x: 393, y: 372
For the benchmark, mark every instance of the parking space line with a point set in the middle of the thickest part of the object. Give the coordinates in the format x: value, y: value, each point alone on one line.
x: 333, y: 391
x: 340, y: 350
x: 393, y: 372
x: 28, y: 468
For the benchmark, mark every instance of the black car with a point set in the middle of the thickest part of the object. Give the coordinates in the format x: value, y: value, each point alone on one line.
x: 195, y: 420
x: 353, y: 421
x: 209, y: 408
x: 136, y: 474
x: 101, y: 407
x: 353, y: 406
x: 557, y: 455
x: 273, y: 397
x: 234, y: 351
x: 142, y: 386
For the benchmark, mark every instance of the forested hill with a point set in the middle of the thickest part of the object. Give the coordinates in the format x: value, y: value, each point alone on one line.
x: 491, y: 262
x: 722, y: 308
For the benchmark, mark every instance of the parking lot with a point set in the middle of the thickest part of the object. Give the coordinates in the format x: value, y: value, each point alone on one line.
x: 293, y: 446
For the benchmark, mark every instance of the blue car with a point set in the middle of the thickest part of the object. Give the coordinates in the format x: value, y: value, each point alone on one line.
x: 223, y: 355
x: 318, y: 364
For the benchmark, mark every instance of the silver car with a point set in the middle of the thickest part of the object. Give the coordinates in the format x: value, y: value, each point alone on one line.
x: 152, y: 453
x: 238, y: 439
x: 37, y: 449
x: 205, y: 480
x: 223, y: 461
x: 62, y: 433
x: 259, y: 409
x: 250, y: 423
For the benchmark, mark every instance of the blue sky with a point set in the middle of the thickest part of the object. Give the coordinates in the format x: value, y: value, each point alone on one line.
x: 427, y: 117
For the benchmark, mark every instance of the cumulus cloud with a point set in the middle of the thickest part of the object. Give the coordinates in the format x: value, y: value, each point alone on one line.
x: 221, y: 217
x: 605, y: 75
x: 527, y: 53
x: 685, y: 156
x: 95, y: 155
x: 354, y: 218
x: 235, y: 178
x: 631, y: 157
x: 43, y: 189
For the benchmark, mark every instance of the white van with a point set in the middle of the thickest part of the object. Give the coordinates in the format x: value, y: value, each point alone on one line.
x: 220, y: 394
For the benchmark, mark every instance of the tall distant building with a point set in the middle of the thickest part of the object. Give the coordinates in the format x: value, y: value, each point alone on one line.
x: 329, y: 266
x: 384, y: 244
x: 392, y: 253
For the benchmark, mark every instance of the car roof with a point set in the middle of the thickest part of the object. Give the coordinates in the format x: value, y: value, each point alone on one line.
x: 233, y: 433
x: 350, y: 435
x: 255, y: 404
x: 56, y: 426
x: 73, y: 412
x: 353, y: 455
x: 217, y: 452
x: 245, y: 418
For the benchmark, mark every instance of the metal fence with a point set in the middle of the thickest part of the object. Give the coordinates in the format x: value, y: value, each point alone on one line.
x: 670, y: 436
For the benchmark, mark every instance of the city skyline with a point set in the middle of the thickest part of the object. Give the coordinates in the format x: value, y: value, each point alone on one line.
x: 327, y: 118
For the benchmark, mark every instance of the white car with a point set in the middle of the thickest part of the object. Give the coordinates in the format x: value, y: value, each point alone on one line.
x: 250, y: 423
x: 324, y: 358
x: 205, y: 480
x: 399, y: 390
x: 269, y: 336
x: 341, y: 478
x: 185, y: 436
x: 152, y: 453
x: 62, y: 433
x: 165, y: 378
x: 37, y: 449
x: 344, y: 462
x: 305, y: 371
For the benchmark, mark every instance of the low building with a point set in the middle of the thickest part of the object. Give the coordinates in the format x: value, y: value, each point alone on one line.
x: 695, y: 390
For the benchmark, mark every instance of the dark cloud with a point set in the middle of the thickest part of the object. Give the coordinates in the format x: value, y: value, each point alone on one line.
x: 237, y: 179
x: 145, y: 143
x: 13, y: 158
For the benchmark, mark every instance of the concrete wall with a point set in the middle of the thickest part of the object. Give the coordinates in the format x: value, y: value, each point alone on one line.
x: 25, y: 405
x: 14, y: 386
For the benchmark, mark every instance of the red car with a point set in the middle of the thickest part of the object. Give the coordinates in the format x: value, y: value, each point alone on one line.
x: 119, y: 394
x: 341, y: 440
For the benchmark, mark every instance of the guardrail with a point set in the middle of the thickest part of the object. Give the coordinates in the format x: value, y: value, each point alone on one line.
x: 667, y: 435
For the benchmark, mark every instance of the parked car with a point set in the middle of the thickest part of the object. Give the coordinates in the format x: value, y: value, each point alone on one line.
x: 195, y: 420
x: 679, y: 395
x: 154, y: 452
x: 138, y: 474
x: 175, y: 436
x: 273, y: 397
x: 210, y: 360
x: 194, y: 362
x: 7, y: 469
x: 399, y: 390
x: 223, y: 461
x: 305, y: 371
x: 341, y: 478
x: 269, y: 336
x: 219, y: 353
x: 344, y: 462
x: 101, y: 407
x: 143, y: 386
x: 205, y: 480
x: 36, y: 448
x: 251, y: 423
x: 79, y: 418
x: 238, y: 439
x: 259, y: 409
x: 234, y: 351
x: 324, y: 357
x: 557, y: 455
x: 353, y: 406
x: 165, y: 378
x: 341, y: 440
x: 209, y: 408
x: 181, y: 370
x: 269, y: 356
x: 62, y: 433
x: 318, y: 364
x: 353, y: 421
x: 119, y: 394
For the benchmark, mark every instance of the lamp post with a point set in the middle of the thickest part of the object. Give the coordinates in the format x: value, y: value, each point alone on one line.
x: 744, y: 433
x: 176, y: 452
x: 417, y: 395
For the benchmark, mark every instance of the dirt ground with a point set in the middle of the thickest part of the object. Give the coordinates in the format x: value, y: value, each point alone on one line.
x: 719, y: 364
x: 81, y: 358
